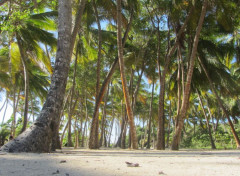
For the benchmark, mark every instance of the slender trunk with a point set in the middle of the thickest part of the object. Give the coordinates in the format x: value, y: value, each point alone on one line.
x: 93, y: 140
x: 108, y: 77
x: 110, y: 133
x: 169, y: 123
x: 103, y: 118
x: 86, y: 119
x: 135, y: 93
x: 76, y: 133
x: 26, y: 82
x: 150, y: 119
x: 145, y: 134
x: 4, y: 114
x: 71, y: 105
x: 185, y: 102
x: 124, y: 133
x: 220, y: 103
x: 207, y: 121
x: 13, y: 126
x: 118, y: 144
x: 32, y: 110
x: 123, y: 78
x: 162, y: 78
x: 63, y: 134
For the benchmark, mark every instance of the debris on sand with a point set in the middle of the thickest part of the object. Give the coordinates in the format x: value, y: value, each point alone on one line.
x: 132, y: 164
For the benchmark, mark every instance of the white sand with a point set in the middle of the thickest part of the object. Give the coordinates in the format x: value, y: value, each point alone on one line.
x: 83, y: 162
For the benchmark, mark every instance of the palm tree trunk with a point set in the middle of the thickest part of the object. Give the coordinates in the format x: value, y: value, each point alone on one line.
x: 26, y: 83
x: 103, y: 118
x: 124, y: 132
x: 135, y: 93
x: 6, y: 106
x: 150, y: 118
x: 207, y: 121
x: 77, y: 26
x: 93, y: 140
x: 162, y: 79
x: 108, y: 78
x: 123, y: 78
x: 185, y: 102
x: 110, y: 132
x: 220, y: 103
x: 71, y: 105
x: 86, y: 119
x: 169, y: 123
x: 38, y: 137
x: 63, y: 133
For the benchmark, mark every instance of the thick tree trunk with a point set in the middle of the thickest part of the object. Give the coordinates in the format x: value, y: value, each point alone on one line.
x: 207, y: 121
x: 77, y: 25
x: 185, y: 102
x: 38, y: 137
x: 123, y: 78
x: 150, y: 119
x: 220, y: 103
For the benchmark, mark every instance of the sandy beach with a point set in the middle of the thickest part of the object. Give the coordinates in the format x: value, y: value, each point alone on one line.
x: 84, y: 162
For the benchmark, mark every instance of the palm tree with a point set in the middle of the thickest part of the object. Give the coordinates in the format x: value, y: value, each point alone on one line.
x: 39, y: 136
x: 134, y: 143
x: 220, y: 103
x: 185, y: 102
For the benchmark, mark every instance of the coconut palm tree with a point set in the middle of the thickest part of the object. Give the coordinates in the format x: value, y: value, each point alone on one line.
x: 37, y: 137
x: 185, y: 102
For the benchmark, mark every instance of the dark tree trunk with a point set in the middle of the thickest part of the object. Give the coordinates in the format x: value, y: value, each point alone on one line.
x: 38, y: 137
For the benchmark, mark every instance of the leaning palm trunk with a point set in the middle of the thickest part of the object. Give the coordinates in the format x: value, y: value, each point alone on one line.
x: 207, y: 121
x: 26, y: 82
x: 134, y: 143
x: 38, y: 137
x: 106, y: 81
x: 185, y: 102
x: 77, y: 25
x: 220, y: 103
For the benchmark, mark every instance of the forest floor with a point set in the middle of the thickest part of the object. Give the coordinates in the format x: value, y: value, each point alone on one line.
x: 105, y: 162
